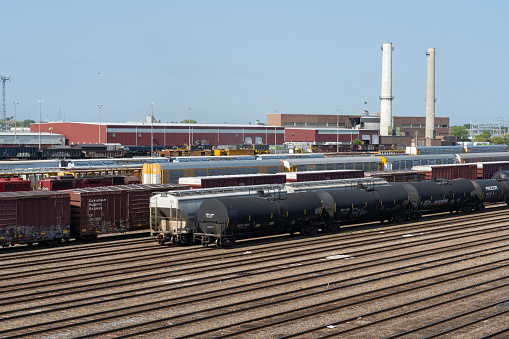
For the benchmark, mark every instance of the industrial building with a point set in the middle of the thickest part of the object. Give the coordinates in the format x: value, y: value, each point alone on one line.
x: 164, y: 134
x: 26, y: 138
x: 402, y: 125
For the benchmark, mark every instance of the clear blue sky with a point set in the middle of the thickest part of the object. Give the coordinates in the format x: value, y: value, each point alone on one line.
x: 235, y: 61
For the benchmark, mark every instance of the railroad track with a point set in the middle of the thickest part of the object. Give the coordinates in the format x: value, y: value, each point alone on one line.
x: 186, y: 293
x: 238, y: 257
x: 114, y: 247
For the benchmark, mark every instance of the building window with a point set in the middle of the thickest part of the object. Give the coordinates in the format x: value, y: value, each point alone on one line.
x: 300, y: 124
x: 113, y: 134
x: 236, y: 135
x: 311, y: 124
x: 322, y: 125
x: 416, y: 125
x: 443, y: 126
x: 407, y: 125
x: 139, y: 135
x: 289, y: 124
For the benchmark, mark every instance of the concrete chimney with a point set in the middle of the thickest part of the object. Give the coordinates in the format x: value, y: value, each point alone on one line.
x: 430, y: 95
x: 386, y: 97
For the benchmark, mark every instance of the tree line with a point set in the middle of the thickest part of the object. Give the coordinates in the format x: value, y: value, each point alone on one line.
x: 461, y: 133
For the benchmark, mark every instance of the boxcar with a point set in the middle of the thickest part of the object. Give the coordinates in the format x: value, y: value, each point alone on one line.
x: 112, y: 209
x: 449, y: 172
x: 29, y: 217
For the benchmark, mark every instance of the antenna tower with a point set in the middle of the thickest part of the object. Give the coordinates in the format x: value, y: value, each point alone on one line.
x: 4, y: 107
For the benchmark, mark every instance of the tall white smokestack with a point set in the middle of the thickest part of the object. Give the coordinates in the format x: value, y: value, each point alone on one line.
x: 386, y: 97
x: 430, y: 95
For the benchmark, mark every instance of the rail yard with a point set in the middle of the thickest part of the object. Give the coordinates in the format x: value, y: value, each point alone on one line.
x: 323, y: 247
x: 427, y: 278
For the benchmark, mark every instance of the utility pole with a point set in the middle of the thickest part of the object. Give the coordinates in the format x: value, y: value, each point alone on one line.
x: 40, y: 109
x: 4, y: 108
x: 100, y: 106
x: 15, y: 120
x: 152, y: 129
x: 337, y: 130
x: 275, y: 131
x: 189, y: 121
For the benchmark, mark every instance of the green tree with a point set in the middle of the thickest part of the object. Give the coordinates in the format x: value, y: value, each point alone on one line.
x: 357, y: 141
x: 187, y: 121
x: 27, y: 122
x: 483, y: 137
x: 460, y: 132
x: 499, y: 140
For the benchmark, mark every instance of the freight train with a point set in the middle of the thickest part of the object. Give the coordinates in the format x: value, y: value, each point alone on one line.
x: 223, y: 219
x: 49, y: 217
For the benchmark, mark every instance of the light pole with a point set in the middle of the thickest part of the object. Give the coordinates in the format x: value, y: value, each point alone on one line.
x: 337, y: 130
x: 275, y: 143
x: 40, y: 109
x: 189, y: 121
x: 99, y: 122
x: 15, y: 119
x: 152, y: 129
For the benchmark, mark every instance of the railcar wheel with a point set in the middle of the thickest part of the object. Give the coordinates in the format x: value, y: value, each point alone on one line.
x: 219, y: 244
x: 30, y: 244
x: 227, y: 242
x: 160, y: 239
x: 204, y: 241
x: 173, y: 241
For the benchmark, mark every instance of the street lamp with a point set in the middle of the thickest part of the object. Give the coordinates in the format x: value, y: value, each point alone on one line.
x: 99, y: 122
x: 40, y: 109
x: 189, y: 121
x: 152, y: 129
x: 337, y: 130
x: 275, y: 143
x: 15, y: 119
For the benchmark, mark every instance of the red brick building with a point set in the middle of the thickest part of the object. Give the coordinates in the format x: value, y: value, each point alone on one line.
x: 166, y: 134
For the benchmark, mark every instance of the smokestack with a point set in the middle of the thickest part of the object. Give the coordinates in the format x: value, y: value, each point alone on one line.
x: 386, y: 97
x: 430, y: 95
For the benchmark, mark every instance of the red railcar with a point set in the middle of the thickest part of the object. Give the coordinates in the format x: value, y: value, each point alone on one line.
x: 29, y: 217
x: 112, y: 209
x: 14, y: 185
x: 485, y: 170
x: 449, y: 171
x: 66, y: 182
